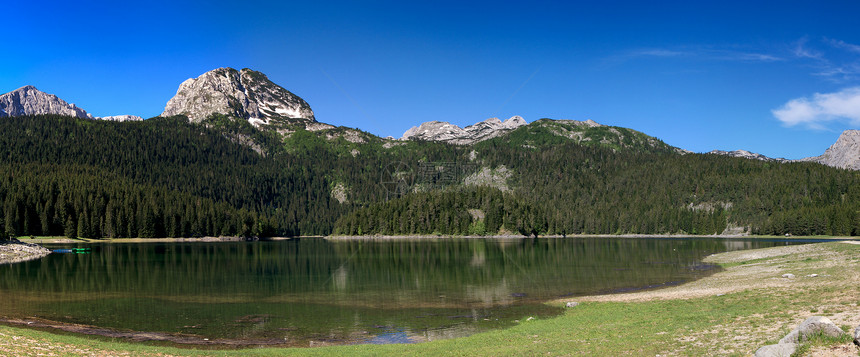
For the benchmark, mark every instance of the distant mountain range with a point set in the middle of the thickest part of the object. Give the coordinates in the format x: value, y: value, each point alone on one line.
x: 235, y: 154
x: 251, y: 96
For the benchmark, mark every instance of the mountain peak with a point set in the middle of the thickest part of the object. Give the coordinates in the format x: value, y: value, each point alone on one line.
x: 514, y: 122
x: 450, y: 133
x: 245, y: 94
x: 28, y: 100
x: 844, y: 153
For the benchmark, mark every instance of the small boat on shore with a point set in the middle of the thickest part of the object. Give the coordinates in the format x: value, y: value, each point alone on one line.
x: 73, y: 250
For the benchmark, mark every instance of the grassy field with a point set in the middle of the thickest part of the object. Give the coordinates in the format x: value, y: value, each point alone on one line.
x: 730, y: 313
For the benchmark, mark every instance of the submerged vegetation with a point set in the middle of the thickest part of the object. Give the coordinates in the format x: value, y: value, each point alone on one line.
x: 166, y: 177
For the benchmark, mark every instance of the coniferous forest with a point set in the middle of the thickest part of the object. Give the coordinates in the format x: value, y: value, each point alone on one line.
x: 166, y: 177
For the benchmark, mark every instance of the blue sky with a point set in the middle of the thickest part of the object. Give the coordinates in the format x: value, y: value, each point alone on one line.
x: 780, y: 78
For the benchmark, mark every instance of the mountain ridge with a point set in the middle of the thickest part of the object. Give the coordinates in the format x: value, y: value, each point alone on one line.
x: 453, y: 134
x: 28, y: 100
x: 251, y: 96
x: 747, y: 155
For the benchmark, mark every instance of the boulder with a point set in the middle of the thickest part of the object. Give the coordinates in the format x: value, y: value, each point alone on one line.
x: 788, y: 276
x: 779, y: 350
x: 810, y: 327
x: 575, y: 304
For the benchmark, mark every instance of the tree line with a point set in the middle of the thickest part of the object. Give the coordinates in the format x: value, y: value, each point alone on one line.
x: 166, y: 177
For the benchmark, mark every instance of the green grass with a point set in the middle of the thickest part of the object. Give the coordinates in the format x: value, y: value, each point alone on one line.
x: 821, y: 340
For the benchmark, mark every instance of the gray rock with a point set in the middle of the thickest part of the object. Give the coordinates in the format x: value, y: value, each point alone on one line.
x: 844, y: 153
x: 810, y: 327
x: 571, y: 304
x: 450, y: 133
x: 15, y: 252
x: 788, y: 276
x: 28, y: 100
x: 779, y: 350
x: 746, y: 155
x: 121, y: 118
x: 245, y: 94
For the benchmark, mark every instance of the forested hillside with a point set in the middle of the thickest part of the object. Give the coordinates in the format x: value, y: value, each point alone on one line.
x: 166, y: 177
x: 248, y: 182
x: 568, y: 188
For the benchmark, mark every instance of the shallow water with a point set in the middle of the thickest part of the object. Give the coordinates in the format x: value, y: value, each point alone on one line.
x: 311, y: 291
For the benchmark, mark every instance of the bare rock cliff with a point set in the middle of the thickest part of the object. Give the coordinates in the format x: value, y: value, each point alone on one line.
x: 28, y: 100
x: 450, y: 133
x: 245, y: 94
x: 746, y: 155
x: 845, y: 153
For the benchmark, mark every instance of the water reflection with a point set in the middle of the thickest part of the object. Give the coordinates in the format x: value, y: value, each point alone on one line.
x: 312, y: 290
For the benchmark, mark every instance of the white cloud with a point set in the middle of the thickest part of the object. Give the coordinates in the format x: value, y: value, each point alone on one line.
x: 696, y: 53
x: 802, y: 51
x: 844, y: 45
x: 659, y: 53
x: 822, y: 108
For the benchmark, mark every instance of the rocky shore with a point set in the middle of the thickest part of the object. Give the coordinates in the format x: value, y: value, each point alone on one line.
x: 16, y: 252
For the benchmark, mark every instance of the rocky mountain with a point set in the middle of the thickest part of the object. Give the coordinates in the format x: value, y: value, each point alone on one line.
x: 121, y: 118
x: 245, y: 94
x: 453, y: 134
x: 746, y: 155
x: 28, y: 100
x: 845, y: 153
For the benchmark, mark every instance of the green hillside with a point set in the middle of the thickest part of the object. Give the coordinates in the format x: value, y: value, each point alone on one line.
x: 168, y: 177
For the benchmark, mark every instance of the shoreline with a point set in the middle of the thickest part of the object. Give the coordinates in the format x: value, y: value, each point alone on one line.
x: 17, y: 252
x: 608, y: 236
x: 64, y: 240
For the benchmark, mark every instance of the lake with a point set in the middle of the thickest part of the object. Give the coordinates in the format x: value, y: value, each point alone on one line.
x: 312, y: 291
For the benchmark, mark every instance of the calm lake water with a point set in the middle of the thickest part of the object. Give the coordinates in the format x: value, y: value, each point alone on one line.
x: 312, y: 291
